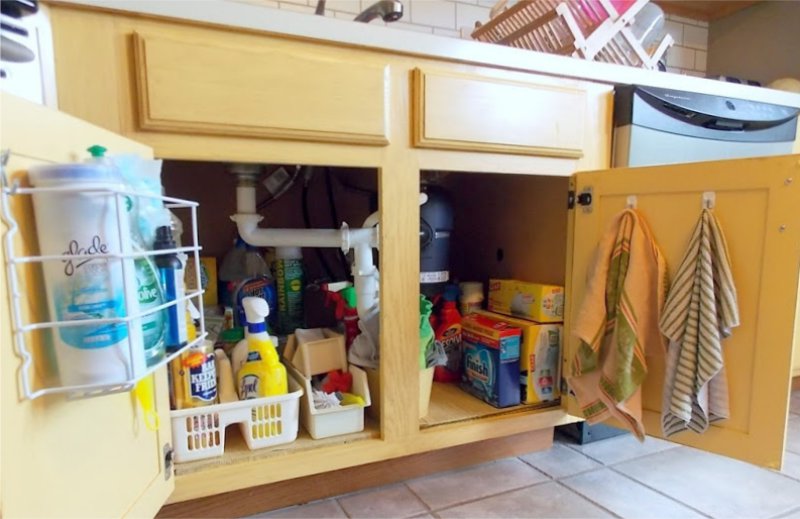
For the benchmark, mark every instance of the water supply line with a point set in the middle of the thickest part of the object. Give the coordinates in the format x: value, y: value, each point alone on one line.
x: 361, y: 240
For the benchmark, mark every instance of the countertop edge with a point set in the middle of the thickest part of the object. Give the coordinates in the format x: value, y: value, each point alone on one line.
x: 385, y: 38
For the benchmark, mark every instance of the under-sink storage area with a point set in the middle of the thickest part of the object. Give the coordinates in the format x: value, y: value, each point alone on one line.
x: 290, y: 198
x: 504, y: 226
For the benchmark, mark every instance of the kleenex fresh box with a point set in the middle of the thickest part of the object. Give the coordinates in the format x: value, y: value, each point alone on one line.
x: 534, y: 301
x: 491, y: 360
x: 540, y: 359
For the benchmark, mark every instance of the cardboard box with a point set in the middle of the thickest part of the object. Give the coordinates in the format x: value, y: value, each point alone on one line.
x: 491, y: 360
x: 534, y: 301
x: 540, y: 358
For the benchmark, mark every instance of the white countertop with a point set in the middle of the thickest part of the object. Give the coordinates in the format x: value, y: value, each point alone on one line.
x: 380, y: 37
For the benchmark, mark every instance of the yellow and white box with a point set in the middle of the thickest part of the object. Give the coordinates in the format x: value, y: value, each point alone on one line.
x: 534, y: 301
x: 539, y: 360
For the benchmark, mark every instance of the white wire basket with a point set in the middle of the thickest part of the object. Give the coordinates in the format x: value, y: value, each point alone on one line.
x: 32, y: 327
x: 264, y: 422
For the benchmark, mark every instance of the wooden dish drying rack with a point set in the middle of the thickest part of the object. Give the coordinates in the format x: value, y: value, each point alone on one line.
x: 588, y: 29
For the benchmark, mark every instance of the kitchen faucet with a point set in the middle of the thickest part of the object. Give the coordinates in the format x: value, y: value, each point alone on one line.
x: 388, y: 10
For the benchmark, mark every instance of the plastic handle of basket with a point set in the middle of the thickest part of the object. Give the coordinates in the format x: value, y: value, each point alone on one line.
x: 146, y: 396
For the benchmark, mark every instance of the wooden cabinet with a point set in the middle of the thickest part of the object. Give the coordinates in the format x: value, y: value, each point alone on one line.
x: 519, y: 113
x: 255, y: 90
x: 512, y: 180
x: 63, y: 457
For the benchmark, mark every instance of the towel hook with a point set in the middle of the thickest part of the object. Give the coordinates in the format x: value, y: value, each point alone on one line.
x: 632, y: 202
x: 709, y: 200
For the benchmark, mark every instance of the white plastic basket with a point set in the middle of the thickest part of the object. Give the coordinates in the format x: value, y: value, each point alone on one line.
x: 324, y: 423
x: 200, y: 433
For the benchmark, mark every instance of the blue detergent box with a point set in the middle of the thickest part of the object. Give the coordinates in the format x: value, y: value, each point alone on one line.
x: 490, y: 360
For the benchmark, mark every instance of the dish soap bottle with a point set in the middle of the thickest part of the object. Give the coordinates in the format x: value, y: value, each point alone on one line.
x: 262, y: 373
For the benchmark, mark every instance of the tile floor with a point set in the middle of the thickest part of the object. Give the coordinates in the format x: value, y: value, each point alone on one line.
x: 618, y: 477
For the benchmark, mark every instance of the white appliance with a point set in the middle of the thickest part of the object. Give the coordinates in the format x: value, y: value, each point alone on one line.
x: 659, y: 126
x: 27, y: 67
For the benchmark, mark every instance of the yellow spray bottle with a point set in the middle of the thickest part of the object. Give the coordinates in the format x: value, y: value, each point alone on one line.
x: 262, y: 373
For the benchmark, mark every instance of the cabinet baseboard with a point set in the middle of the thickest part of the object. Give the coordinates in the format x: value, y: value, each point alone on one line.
x: 302, y: 490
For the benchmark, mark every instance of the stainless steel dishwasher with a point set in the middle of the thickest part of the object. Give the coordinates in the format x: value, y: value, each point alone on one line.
x: 660, y: 126
x: 655, y: 126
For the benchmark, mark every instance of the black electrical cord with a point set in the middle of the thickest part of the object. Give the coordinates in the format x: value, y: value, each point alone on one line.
x: 307, y: 220
x: 336, y: 222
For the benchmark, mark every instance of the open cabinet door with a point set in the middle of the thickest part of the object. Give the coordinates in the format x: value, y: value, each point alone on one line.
x: 60, y: 457
x: 758, y: 207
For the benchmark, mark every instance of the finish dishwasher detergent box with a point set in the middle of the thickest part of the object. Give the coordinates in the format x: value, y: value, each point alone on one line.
x: 534, y: 301
x: 540, y: 359
x: 490, y: 360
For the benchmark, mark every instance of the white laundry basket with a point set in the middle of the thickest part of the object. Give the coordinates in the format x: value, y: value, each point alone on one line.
x: 200, y: 433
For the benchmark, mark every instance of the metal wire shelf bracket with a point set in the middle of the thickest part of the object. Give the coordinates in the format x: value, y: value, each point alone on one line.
x: 21, y: 329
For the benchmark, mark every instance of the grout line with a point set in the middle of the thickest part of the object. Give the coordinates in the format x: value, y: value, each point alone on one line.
x: 558, y: 478
x: 587, y: 498
x: 657, y: 491
x: 576, y: 449
x: 336, y: 499
x: 417, y: 496
x: 470, y: 501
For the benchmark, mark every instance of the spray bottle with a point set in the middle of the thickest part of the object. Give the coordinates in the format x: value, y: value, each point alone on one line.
x: 262, y: 373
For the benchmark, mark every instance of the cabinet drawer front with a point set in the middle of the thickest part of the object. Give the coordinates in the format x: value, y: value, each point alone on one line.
x: 260, y: 92
x: 488, y: 114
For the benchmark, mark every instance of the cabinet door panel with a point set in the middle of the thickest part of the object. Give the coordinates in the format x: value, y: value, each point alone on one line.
x: 756, y: 204
x: 61, y: 457
x: 473, y: 112
x: 215, y: 88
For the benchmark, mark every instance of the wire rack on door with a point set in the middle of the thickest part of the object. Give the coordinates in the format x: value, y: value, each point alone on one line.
x: 588, y: 29
x: 37, y: 375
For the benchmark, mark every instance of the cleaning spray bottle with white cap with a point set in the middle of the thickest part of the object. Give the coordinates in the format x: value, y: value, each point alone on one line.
x: 262, y: 373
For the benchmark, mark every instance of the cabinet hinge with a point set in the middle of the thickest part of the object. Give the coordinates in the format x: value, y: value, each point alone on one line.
x: 584, y: 199
x: 168, y: 461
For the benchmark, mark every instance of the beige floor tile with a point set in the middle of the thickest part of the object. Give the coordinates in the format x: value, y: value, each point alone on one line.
x: 450, y: 488
x: 795, y: 402
x: 320, y: 509
x: 791, y: 465
x: 546, y: 500
x: 626, y: 498
x: 715, y: 485
x: 389, y: 501
x: 793, y: 434
x: 560, y: 461
x: 622, y: 448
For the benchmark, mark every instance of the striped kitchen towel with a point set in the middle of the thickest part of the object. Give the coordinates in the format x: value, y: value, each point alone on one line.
x: 701, y: 310
x: 617, y: 322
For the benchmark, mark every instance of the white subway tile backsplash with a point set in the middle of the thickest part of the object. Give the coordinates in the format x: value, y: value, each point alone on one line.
x: 700, y: 60
x: 446, y: 32
x: 680, y: 57
x: 436, y: 14
x: 297, y: 7
x: 467, y: 15
x: 695, y: 37
x: 344, y: 6
x: 675, y: 29
x: 682, y: 19
x: 411, y: 27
